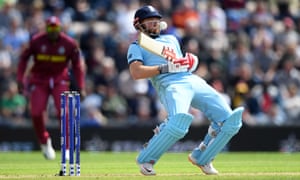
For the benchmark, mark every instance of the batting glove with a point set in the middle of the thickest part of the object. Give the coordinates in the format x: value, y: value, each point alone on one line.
x: 172, y: 67
x: 169, y: 53
x: 190, y: 60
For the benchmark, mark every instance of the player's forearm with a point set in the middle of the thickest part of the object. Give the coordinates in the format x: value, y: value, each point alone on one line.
x: 143, y: 72
x: 80, y: 76
x: 22, y: 65
x: 21, y: 70
x: 80, y: 79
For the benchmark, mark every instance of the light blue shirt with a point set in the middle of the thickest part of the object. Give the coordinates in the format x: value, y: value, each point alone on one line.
x: 179, y: 91
x: 136, y: 52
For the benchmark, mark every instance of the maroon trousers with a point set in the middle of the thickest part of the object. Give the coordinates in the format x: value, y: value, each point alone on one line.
x: 39, y: 95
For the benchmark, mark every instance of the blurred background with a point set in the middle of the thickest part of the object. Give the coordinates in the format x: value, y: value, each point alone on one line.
x: 248, y: 49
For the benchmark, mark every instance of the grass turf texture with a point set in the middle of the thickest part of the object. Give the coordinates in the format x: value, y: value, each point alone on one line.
x: 172, y: 166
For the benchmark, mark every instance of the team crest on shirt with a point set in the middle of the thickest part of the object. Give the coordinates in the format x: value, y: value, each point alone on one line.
x: 61, y: 50
x: 44, y: 48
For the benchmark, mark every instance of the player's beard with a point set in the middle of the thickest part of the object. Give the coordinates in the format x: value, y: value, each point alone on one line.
x: 53, y: 36
x: 153, y: 31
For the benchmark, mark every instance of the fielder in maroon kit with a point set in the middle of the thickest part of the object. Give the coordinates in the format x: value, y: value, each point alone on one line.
x: 53, y: 52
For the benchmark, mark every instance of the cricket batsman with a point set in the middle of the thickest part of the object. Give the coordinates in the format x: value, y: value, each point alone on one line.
x: 178, y: 90
x: 52, y: 52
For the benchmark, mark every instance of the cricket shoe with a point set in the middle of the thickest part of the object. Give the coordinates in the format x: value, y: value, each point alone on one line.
x: 207, y: 169
x: 147, y: 169
x: 48, y: 151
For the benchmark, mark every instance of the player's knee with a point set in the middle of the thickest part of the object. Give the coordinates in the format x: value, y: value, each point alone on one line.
x: 36, y: 115
x: 234, y: 123
x: 178, y: 125
x: 176, y: 132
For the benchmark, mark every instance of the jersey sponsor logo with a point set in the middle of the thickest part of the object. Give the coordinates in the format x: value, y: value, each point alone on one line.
x: 61, y: 50
x: 51, y: 58
x: 43, y: 48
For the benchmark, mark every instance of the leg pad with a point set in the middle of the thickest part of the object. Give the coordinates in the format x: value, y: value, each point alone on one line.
x: 175, y: 129
x: 230, y: 127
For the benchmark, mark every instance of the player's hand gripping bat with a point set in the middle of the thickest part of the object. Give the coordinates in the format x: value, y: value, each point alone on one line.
x: 187, y: 63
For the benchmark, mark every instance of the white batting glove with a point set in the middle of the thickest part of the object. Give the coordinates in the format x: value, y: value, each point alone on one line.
x: 172, y: 67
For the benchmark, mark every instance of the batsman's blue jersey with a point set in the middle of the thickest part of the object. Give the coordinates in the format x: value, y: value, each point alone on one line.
x: 179, y: 91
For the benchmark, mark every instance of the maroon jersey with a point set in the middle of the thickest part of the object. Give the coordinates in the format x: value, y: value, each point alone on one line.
x: 51, y: 60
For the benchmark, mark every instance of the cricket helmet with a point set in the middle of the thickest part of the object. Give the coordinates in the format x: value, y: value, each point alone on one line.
x: 146, y: 12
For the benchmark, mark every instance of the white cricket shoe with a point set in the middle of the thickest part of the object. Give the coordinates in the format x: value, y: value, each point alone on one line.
x: 48, y: 151
x: 207, y: 169
x: 147, y: 169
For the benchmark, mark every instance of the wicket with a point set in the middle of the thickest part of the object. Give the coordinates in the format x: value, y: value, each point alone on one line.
x: 70, y: 107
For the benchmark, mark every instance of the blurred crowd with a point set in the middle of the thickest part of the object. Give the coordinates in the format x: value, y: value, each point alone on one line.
x: 249, y: 51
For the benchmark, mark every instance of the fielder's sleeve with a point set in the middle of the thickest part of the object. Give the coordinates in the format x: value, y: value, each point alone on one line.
x: 78, y: 67
x: 24, y: 58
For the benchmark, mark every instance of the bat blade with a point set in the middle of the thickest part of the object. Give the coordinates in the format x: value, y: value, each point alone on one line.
x: 150, y: 44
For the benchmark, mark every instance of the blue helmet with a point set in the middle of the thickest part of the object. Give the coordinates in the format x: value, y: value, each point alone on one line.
x: 146, y: 12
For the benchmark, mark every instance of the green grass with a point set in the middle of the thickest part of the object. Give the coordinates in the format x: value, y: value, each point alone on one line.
x: 172, y: 166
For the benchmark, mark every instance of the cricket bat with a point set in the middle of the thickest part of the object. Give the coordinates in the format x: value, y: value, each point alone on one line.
x: 152, y: 45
